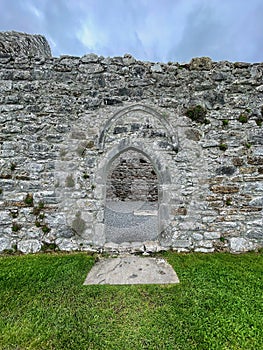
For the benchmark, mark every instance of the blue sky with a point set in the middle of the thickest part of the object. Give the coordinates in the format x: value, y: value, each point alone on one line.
x: 150, y: 30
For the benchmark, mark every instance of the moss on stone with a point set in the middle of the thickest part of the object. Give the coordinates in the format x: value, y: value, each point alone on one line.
x: 197, y: 114
x: 29, y: 200
x: 243, y: 118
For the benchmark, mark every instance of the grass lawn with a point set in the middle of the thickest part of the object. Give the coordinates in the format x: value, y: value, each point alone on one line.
x: 217, y: 305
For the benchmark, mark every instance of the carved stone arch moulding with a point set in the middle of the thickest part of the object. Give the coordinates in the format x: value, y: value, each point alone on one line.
x: 171, y: 136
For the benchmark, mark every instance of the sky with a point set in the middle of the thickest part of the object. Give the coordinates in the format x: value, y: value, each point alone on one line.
x: 149, y: 30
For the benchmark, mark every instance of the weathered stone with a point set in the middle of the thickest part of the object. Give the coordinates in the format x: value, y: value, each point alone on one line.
x: 225, y: 170
x: 137, y: 247
x: 255, y: 160
x: 237, y: 161
x: 29, y: 246
x: 205, y: 244
x: 131, y: 270
x: 239, y: 245
x: 5, y: 244
x: 66, y: 244
x: 156, y: 68
x: 22, y: 44
x: 75, y: 132
x: 201, y: 63
x: 225, y: 189
x: 257, y: 202
x: 197, y: 236
x: 152, y: 247
x: 204, y: 250
x: 193, y: 134
x: 212, y: 235
x: 111, y: 247
x: 89, y: 58
x: 180, y: 243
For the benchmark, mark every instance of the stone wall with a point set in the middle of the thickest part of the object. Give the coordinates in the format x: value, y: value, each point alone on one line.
x: 64, y: 121
x: 132, y: 178
x: 22, y: 44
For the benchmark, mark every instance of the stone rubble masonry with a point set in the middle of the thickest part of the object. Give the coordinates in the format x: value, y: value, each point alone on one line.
x: 132, y: 178
x: 64, y: 121
x: 22, y: 44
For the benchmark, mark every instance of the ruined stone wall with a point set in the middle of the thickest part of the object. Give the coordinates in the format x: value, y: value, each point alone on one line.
x: 63, y: 122
x: 132, y: 178
x: 22, y: 44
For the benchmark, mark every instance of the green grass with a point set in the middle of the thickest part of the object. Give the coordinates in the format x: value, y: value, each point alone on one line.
x: 217, y: 305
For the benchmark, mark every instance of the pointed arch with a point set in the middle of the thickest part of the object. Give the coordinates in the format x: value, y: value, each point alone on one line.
x: 159, y: 166
x: 135, y: 108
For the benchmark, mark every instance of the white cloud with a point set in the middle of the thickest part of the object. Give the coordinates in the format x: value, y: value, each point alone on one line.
x: 92, y: 39
x: 156, y: 30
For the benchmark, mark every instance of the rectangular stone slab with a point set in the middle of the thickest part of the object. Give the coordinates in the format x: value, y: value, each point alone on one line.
x: 146, y: 213
x: 131, y: 270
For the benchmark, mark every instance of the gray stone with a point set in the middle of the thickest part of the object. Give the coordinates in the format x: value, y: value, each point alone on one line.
x: 5, y: 243
x: 66, y: 244
x: 204, y: 250
x: 111, y: 247
x: 156, y: 68
x: 91, y: 57
x: 137, y: 247
x: 131, y: 270
x: 152, y: 247
x: 5, y: 218
x: 69, y: 123
x: 239, y: 245
x: 29, y: 246
x: 256, y: 202
x: 205, y: 244
x: 212, y: 235
x: 197, y: 236
x: 22, y: 44
x: 181, y: 243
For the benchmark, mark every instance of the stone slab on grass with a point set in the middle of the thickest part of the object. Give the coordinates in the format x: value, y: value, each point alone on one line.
x: 132, y: 270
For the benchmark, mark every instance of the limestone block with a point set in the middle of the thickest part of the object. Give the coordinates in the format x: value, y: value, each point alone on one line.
x: 91, y: 68
x: 5, y: 243
x: 197, y: 236
x: 156, y: 68
x: 29, y: 246
x: 124, y: 247
x: 205, y: 244
x: 181, y: 243
x: 137, y: 247
x: 257, y: 202
x: 63, y: 232
x: 89, y: 58
x: 204, y: 250
x: 66, y: 244
x: 239, y: 245
x: 87, y: 234
x: 259, y: 88
x: 5, y: 217
x: 152, y: 247
x: 212, y: 235
x: 201, y: 63
x: 181, y: 250
x: 111, y: 247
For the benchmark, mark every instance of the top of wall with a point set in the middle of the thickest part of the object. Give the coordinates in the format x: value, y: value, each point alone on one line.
x: 17, y: 44
x: 22, y: 44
